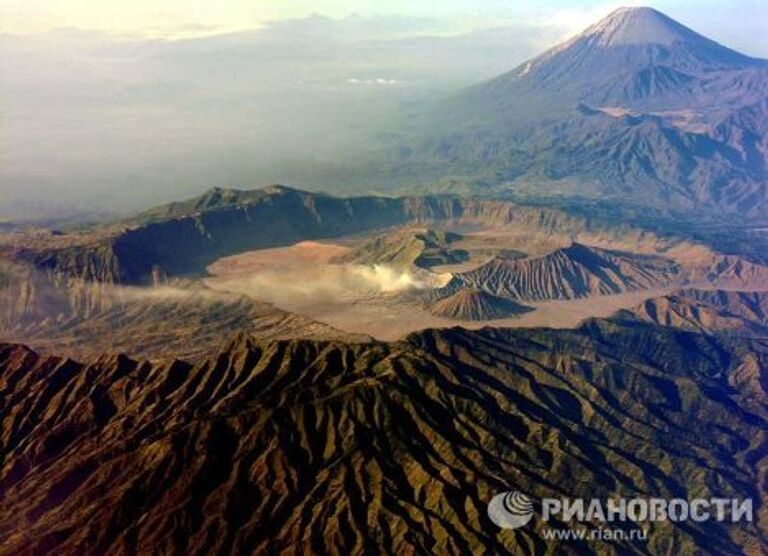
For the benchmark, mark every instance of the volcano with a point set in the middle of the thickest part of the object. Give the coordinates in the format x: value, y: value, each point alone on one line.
x: 637, y: 111
x: 631, y: 43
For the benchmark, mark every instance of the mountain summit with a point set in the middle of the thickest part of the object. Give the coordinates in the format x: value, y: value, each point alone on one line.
x: 637, y: 110
x: 626, y: 42
x: 632, y: 26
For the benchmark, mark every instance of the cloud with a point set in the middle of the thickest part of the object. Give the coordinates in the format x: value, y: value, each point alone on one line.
x: 374, y: 81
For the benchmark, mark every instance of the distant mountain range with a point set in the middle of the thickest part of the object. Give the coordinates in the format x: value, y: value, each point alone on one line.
x: 637, y: 110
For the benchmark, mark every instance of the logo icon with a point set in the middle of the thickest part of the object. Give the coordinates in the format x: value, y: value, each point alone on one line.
x: 510, y: 510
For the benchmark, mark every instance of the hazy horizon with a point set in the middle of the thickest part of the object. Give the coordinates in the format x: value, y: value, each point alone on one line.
x: 115, y: 121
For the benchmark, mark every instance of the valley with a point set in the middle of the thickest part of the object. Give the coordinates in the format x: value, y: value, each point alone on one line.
x: 269, y: 260
x: 386, y: 304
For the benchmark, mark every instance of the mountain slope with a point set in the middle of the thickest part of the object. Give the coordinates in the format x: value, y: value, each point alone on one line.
x: 183, y: 238
x: 397, y: 448
x: 637, y: 109
x: 630, y: 42
x: 709, y: 311
x: 469, y: 304
x: 180, y: 319
x: 573, y: 272
x: 420, y: 248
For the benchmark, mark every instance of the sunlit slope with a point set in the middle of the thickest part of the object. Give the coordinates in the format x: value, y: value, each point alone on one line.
x: 397, y: 448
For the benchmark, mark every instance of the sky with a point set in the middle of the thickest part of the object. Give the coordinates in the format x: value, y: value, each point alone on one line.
x: 740, y: 23
x: 98, y: 114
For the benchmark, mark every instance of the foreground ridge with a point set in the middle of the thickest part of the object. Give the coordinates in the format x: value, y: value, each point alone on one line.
x: 326, y: 447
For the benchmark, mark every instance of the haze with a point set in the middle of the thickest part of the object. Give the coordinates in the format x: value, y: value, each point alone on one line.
x: 121, y: 117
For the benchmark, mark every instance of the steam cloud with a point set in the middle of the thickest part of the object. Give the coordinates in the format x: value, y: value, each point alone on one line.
x: 329, y: 285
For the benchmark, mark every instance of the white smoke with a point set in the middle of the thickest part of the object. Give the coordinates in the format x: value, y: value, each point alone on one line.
x: 388, y: 279
x: 327, y: 285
